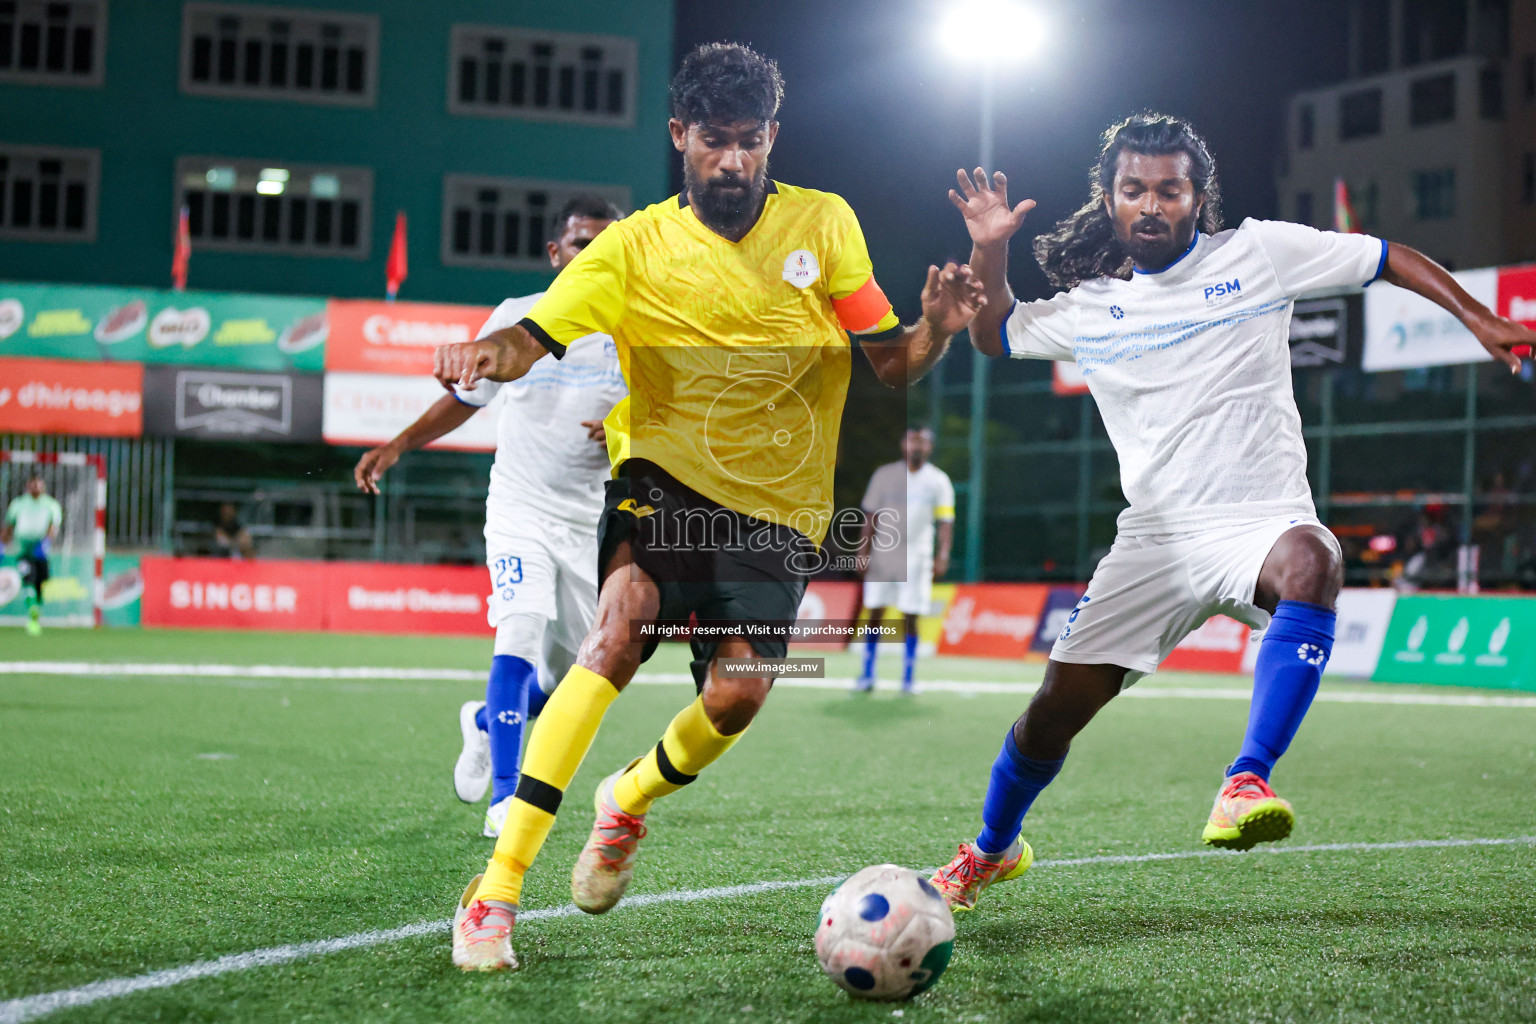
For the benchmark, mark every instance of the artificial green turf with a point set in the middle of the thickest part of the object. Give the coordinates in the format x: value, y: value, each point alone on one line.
x: 123, y: 851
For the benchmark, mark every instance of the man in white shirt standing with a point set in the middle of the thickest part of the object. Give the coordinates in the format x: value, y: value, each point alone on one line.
x: 1180, y: 329
x: 911, y: 503
x: 546, y: 496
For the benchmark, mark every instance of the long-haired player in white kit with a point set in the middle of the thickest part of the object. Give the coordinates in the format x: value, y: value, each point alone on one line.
x: 1181, y: 330
x: 541, y: 514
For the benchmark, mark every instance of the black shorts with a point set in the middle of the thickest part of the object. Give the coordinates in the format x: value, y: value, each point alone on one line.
x: 33, y: 566
x: 709, y: 561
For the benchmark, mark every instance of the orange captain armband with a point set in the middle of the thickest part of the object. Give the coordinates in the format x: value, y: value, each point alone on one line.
x: 863, y: 310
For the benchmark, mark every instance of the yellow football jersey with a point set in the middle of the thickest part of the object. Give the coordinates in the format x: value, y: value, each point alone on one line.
x: 735, y: 353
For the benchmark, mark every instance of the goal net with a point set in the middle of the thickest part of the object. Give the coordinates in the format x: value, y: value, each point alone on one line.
x: 72, y: 595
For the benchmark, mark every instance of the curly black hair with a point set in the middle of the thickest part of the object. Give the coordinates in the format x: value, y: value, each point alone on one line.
x: 721, y: 83
x: 1083, y: 246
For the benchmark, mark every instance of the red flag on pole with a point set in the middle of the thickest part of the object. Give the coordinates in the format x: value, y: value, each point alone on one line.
x: 1345, y: 219
x: 183, y: 255
x: 395, y: 269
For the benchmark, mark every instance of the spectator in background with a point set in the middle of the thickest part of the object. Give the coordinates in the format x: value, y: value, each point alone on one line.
x: 230, y: 537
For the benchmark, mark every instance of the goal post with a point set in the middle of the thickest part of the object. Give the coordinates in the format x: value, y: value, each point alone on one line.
x: 73, y: 594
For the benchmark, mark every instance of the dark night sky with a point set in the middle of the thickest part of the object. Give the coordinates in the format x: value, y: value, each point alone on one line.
x: 874, y: 112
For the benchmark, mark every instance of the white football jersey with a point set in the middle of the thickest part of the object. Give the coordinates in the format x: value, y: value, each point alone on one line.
x: 910, y: 503
x: 546, y: 467
x: 1191, y: 369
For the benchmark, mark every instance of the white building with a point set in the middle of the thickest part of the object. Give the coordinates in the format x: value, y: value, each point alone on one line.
x: 1421, y: 130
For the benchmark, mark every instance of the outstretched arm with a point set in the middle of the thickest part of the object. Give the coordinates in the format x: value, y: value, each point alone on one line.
x: 442, y: 417
x: 991, y: 223
x: 502, y: 355
x: 1505, y: 340
x: 951, y: 299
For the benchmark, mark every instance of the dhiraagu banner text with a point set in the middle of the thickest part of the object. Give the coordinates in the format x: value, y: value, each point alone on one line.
x: 1461, y: 641
x: 224, y: 329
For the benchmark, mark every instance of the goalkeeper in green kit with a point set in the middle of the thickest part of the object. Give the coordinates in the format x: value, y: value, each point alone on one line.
x: 33, y: 521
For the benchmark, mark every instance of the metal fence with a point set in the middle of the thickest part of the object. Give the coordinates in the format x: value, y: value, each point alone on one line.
x: 139, y: 472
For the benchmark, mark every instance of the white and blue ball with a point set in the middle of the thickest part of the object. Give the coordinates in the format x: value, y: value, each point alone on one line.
x: 885, y: 933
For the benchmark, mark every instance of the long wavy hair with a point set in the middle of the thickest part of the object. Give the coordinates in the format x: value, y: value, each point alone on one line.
x: 1083, y: 246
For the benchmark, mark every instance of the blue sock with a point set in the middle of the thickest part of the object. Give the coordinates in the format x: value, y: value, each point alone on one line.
x: 537, y: 698
x: 909, y: 660
x: 480, y: 720
x: 870, y: 652
x: 506, y: 707
x: 1285, y: 679
x: 1016, y: 781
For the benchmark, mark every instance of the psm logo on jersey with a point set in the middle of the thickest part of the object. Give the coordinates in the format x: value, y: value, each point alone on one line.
x: 1117, y: 312
x: 801, y: 268
x: 1221, y: 291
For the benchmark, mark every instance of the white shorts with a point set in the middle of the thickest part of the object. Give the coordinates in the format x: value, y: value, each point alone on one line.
x: 553, y: 575
x: 1151, y: 592
x: 911, y: 596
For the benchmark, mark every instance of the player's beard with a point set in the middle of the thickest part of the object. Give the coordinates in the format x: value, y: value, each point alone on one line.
x: 723, y: 208
x: 1158, y: 251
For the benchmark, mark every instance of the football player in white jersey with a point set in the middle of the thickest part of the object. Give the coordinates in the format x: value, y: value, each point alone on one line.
x: 914, y: 503
x: 1181, y: 331
x: 541, y: 514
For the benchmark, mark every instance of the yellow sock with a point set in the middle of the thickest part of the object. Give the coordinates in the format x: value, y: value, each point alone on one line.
x: 691, y: 743
x: 556, y: 745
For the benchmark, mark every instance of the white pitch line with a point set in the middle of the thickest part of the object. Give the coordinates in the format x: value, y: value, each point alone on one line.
x: 364, y: 673
x: 28, y: 1008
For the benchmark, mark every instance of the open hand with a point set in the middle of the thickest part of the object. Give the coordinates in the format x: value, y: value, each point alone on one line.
x: 1507, y: 341
x: 984, y: 205
x: 951, y: 299
x: 372, y: 466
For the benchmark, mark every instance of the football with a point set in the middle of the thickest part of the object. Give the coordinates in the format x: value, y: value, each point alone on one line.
x: 885, y: 933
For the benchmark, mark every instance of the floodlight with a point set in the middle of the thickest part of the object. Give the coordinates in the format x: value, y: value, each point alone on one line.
x: 993, y: 32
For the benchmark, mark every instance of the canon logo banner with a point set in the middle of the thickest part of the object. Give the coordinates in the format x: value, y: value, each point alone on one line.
x: 384, y: 330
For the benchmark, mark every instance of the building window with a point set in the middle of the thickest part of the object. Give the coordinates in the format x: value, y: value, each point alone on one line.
x: 504, y: 222
x: 1528, y: 178
x: 1304, y: 208
x: 1432, y: 100
x: 1490, y: 93
x: 279, y: 54
x: 1305, y: 124
x: 543, y: 76
x: 1360, y: 114
x: 273, y: 206
x: 54, y: 43
x: 1434, y: 194
x: 48, y: 194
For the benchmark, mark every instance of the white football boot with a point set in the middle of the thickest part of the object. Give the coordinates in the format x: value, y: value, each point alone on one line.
x: 472, y: 771
x: 496, y: 817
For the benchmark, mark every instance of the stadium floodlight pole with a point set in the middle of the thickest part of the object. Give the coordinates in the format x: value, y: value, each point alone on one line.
x: 987, y: 34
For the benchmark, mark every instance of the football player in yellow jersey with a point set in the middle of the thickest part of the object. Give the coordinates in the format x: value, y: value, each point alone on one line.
x: 731, y: 306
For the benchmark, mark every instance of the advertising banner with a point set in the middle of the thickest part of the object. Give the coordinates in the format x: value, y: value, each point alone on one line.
x: 1517, y: 295
x: 371, y: 598
x: 1461, y: 641
x: 396, y: 337
x: 232, y: 405
x: 217, y: 592
x: 1053, y: 616
x: 1217, y: 646
x: 353, y: 597
x: 53, y: 396
x: 829, y: 601
x: 1364, y: 615
x: 227, y: 329
x: 993, y: 620
x: 1404, y: 331
x: 1325, y: 333
x: 122, y: 588
x: 370, y: 408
